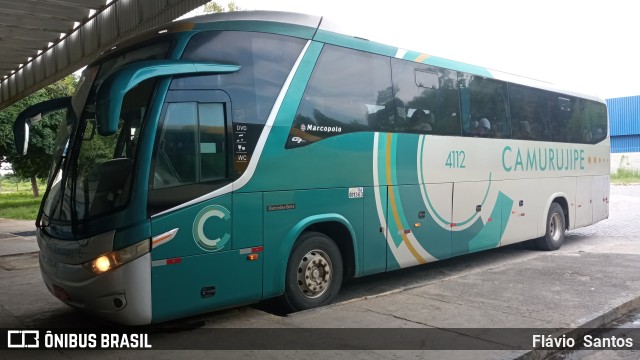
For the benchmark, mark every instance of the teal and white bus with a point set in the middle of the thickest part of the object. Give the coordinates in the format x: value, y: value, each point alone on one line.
x: 235, y: 157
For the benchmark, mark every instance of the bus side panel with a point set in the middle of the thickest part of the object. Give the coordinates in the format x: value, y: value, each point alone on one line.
x: 204, y: 283
x: 198, y: 269
x: 584, y: 202
x: 289, y: 213
x: 437, y: 199
x: 374, y: 255
x: 418, y: 228
x: 529, y: 198
x: 600, y: 198
x: 476, y: 217
x: 527, y: 218
x: 247, y: 220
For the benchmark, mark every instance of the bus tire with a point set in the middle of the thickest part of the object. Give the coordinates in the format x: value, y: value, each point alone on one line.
x: 554, y: 236
x: 314, y: 272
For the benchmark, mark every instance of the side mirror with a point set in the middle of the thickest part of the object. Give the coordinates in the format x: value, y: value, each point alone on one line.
x: 111, y: 92
x: 21, y: 137
x: 32, y: 115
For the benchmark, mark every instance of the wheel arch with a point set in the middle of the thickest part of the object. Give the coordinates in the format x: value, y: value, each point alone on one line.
x: 561, y: 199
x: 336, y: 227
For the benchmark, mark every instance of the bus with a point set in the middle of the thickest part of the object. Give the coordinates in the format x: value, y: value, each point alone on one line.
x: 230, y: 158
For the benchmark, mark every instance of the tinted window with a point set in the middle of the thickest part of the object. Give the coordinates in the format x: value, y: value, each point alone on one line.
x: 266, y: 60
x: 213, y: 154
x: 529, y: 113
x: 426, y: 99
x: 192, y: 152
x: 593, y: 126
x: 426, y: 79
x: 175, y: 160
x: 485, y: 107
x: 564, y: 115
x: 348, y: 91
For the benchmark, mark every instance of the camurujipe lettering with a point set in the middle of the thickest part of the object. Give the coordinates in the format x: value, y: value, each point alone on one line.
x: 542, y: 159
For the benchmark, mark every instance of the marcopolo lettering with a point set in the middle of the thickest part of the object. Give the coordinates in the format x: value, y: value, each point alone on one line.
x: 326, y: 129
x: 542, y: 159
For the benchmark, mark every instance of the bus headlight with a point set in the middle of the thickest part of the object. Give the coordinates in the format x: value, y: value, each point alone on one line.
x: 116, y: 258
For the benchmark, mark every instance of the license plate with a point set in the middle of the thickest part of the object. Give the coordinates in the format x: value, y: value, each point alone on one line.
x: 60, y: 293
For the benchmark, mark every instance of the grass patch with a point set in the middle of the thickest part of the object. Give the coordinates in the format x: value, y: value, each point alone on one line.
x: 19, y: 205
x: 12, y: 184
x: 626, y: 176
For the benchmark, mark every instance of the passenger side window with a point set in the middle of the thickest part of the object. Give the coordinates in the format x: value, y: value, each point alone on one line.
x: 593, y: 126
x: 484, y: 105
x: 529, y: 113
x: 349, y: 91
x: 564, y: 116
x: 426, y: 99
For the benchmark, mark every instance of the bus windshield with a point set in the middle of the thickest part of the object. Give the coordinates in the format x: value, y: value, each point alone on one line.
x: 92, y: 173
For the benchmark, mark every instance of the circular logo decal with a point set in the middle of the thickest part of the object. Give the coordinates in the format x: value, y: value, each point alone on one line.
x: 220, y: 232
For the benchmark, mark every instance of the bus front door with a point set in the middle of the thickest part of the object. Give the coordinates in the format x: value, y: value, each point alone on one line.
x: 198, y: 262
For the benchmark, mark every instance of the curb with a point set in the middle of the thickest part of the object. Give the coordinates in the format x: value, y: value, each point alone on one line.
x: 586, y: 328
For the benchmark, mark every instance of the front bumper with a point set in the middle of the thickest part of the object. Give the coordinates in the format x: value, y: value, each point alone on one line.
x: 122, y: 295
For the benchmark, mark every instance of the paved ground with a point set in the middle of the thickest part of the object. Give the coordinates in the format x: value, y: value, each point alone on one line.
x: 593, y: 280
x: 628, y: 325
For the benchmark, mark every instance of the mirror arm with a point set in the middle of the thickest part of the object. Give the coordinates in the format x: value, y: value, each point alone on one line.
x: 112, y: 90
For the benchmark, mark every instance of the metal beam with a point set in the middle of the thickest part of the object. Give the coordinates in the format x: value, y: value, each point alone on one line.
x: 16, y: 33
x: 20, y: 7
x: 93, y: 4
x: 11, y: 43
x: 35, y: 22
x: 14, y: 52
x: 118, y: 20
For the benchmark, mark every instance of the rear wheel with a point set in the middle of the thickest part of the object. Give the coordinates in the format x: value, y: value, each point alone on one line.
x: 314, y: 272
x: 554, y: 236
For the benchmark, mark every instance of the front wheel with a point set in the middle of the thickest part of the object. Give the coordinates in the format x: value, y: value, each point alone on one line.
x: 314, y: 272
x: 554, y: 237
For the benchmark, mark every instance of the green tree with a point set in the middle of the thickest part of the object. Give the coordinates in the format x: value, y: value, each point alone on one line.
x: 214, y: 7
x: 37, y: 162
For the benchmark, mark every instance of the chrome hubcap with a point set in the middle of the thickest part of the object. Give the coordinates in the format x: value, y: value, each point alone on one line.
x: 314, y: 274
x: 555, y: 227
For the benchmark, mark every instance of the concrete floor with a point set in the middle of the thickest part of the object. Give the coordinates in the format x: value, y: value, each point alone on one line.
x: 481, y: 298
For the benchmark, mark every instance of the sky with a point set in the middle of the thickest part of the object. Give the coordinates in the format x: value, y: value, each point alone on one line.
x: 587, y: 46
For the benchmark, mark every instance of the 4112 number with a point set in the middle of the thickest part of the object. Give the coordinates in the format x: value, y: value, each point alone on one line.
x: 455, y: 160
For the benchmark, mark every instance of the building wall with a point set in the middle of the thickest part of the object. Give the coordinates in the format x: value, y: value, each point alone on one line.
x: 624, y: 128
x: 629, y: 161
x: 625, y: 144
x: 624, y: 116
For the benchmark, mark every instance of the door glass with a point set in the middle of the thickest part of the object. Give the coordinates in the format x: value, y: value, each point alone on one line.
x: 176, y: 158
x: 213, y: 154
x: 191, y: 156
